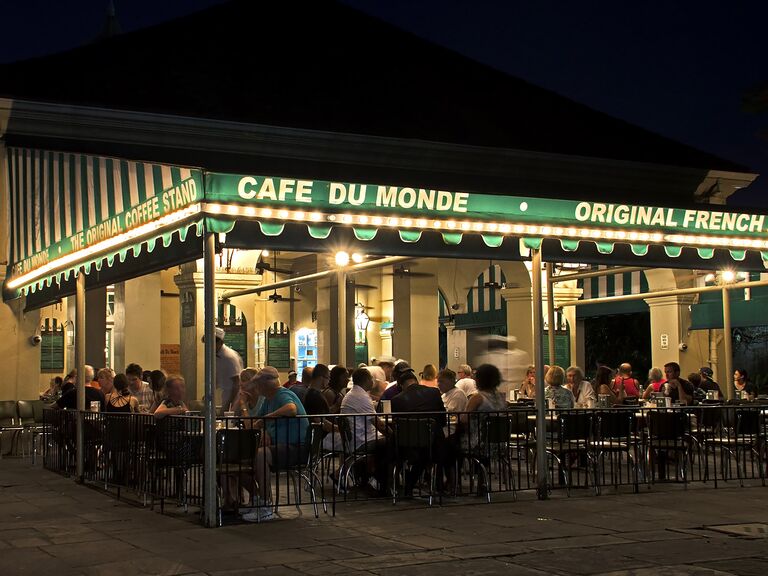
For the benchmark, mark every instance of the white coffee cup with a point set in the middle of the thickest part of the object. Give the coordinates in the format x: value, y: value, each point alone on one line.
x: 386, y: 406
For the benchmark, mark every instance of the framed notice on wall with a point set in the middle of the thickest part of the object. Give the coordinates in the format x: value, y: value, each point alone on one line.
x: 170, y: 358
x: 279, y: 346
x: 51, y: 347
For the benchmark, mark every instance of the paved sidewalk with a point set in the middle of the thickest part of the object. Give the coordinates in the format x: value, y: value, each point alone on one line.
x: 50, y: 525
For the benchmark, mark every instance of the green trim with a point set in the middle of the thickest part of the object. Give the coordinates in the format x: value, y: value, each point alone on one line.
x: 319, y: 232
x: 492, y: 241
x: 604, y: 247
x: 365, y: 234
x: 569, y: 245
x: 532, y: 243
x: 673, y: 251
x: 409, y: 236
x: 452, y: 238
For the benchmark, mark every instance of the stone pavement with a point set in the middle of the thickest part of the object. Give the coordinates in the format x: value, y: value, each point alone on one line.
x: 51, y: 525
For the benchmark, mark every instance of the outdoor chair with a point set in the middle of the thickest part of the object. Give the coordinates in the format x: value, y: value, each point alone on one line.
x: 569, y: 442
x: 413, y: 449
x: 236, y: 460
x: 352, y: 453
x: 9, y: 425
x: 745, y: 436
x: 668, y: 433
x: 31, y: 429
x: 494, y: 448
x: 308, y: 470
x: 614, y: 435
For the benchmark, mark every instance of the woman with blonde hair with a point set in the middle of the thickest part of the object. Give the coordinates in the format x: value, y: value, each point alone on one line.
x: 429, y: 376
x: 528, y: 386
x: 555, y: 391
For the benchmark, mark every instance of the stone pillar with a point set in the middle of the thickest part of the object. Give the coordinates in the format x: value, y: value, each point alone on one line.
x: 564, y: 294
x: 96, y: 327
x: 137, y: 322
x: 670, y: 319
x: 415, y: 307
x: 520, y: 316
x: 192, y: 326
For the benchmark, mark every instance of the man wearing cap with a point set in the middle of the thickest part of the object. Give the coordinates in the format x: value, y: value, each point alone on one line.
x: 291, y: 379
x: 387, y: 363
x: 394, y: 388
x: 283, y: 440
x: 707, y: 384
x: 228, y: 368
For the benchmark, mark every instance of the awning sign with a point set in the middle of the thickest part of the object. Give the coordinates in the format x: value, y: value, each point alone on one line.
x: 63, y: 203
x: 426, y: 202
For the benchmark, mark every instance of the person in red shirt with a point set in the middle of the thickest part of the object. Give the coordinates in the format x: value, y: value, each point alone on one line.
x: 625, y: 381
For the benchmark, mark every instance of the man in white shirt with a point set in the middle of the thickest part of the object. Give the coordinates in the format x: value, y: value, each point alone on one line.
x: 228, y: 368
x: 367, y: 429
x: 465, y: 382
x: 358, y: 401
x: 454, y: 399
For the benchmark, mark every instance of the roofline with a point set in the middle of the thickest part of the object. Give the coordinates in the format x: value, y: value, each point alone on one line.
x: 67, y: 122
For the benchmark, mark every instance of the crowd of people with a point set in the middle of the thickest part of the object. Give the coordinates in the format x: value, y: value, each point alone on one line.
x: 282, y: 412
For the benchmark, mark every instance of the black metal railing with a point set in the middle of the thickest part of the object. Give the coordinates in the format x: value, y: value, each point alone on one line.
x: 319, y: 461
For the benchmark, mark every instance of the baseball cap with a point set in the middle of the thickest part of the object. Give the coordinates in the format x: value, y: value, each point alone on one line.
x: 218, y: 334
x: 706, y: 371
x: 399, y: 368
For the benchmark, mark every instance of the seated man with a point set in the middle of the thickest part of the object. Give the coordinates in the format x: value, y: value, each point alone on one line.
x: 68, y: 399
x: 454, y: 398
x: 707, y: 384
x: 367, y: 428
x: 418, y: 398
x: 625, y: 382
x: 680, y: 390
x: 283, y: 439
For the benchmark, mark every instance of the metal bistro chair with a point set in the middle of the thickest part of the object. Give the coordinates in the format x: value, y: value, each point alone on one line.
x: 9, y: 424
x: 30, y: 425
x: 573, y: 438
x: 413, y: 445
x: 308, y: 471
x: 668, y: 433
x: 236, y: 457
x: 352, y: 453
x: 494, y: 446
x: 745, y: 436
x: 614, y: 435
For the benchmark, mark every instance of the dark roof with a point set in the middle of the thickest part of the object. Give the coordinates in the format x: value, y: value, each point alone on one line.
x: 318, y: 64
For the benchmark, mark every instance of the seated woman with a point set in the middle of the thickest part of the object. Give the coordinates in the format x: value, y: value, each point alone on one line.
x: 337, y: 385
x: 555, y: 392
x: 429, y: 376
x: 157, y: 383
x: 583, y: 393
x: 487, y: 399
x: 173, y: 404
x: 528, y: 386
x: 742, y: 385
x: 603, y: 386
x: 655, y: 384
x: 249, y: 400
x: 121, y: 400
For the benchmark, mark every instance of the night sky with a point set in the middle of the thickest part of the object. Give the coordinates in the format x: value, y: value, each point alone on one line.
x: 679, y: 69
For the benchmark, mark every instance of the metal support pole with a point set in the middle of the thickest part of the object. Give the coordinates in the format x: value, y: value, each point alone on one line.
x: 728, y: 345
x: 80, y: 363
x: 209, y: 432
x: 551, y: 313
x: 538, y: 359
x: 341, y: 292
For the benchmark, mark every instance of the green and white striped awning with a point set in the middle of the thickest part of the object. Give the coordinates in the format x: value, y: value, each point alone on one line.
x: 613, y: 285
x: 70, y: 210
